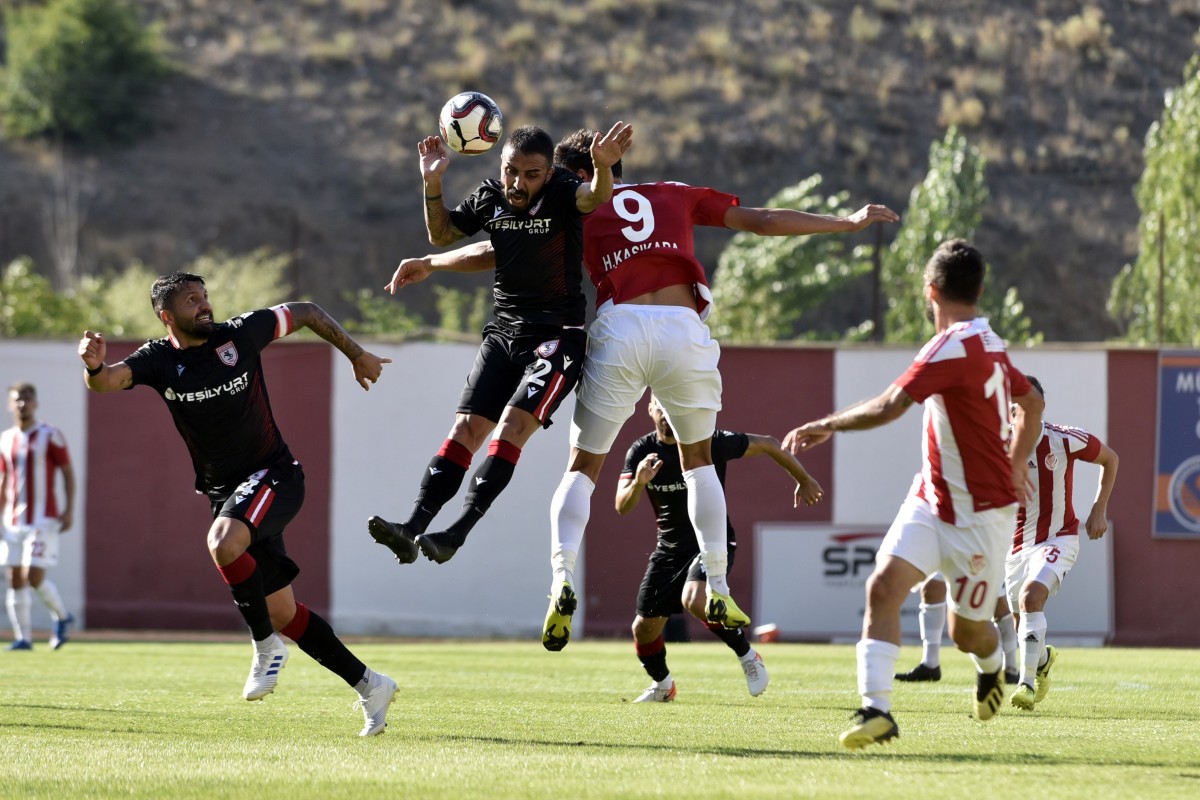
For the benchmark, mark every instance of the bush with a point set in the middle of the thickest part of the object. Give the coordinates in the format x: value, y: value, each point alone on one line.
x: 81, y: 69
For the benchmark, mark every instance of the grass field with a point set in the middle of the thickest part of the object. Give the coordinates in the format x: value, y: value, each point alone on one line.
x: 499, y: 720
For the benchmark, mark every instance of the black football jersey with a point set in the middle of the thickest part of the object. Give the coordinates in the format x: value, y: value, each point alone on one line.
x: 668, y: 492
x: 539, y: 252
x: 218, y: 398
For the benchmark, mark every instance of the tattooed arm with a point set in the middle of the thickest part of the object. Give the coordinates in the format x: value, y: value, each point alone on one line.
x: 367, y: 366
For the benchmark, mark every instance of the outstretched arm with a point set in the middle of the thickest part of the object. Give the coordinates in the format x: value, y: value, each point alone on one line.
x: 367, y: 366
x: 789, y: 222
x: 871, y: 413
x: 1097, y: 521
x: 807, y: 489
x: 99, y: 377
x: 474, y: 257
x: 629, y: 490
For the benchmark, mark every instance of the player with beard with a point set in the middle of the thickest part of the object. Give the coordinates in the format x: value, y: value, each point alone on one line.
x: 210, y: 375
x: 533, y: 350
x: 675, y: 576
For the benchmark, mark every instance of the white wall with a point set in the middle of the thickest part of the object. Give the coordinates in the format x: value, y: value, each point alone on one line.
x: 498, y: 583
x: 54, y: 368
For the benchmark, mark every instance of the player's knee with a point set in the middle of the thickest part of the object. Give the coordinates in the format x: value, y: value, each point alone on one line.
x: 1033, y: 596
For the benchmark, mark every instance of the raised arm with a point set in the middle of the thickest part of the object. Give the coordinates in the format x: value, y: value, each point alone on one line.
x: 607, y: 149
x: 98, y: 376
x: 1097, y: 521
x: 789, y: 222
x: 879, y: 410
x: 434, y: 161
x: 367, y: 366
x: 807, y: 489
x: 474, y: 257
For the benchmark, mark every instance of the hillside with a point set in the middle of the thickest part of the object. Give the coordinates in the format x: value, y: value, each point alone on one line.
x: 293, y: 123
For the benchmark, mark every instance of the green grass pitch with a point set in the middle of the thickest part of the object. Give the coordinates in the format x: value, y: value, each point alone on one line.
x: 509, y: 720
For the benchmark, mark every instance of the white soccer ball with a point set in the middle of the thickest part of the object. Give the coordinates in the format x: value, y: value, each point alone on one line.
x: 471, y: 123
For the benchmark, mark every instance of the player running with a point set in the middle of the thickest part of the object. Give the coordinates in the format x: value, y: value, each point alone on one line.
x: 533, y: 351
x: 1046, y: 541
x: 675, y: 577
x: 210, y: 375
x: 960, y: 512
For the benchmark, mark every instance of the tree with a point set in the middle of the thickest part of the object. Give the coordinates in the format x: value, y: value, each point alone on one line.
x: 29, y: 306
x: 947, y: 204
x: 765, y: 284
x: 1168, y: 197
x: 81, y: 69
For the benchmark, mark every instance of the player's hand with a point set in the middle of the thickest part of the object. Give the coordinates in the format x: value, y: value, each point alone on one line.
x: 806, y: 437
x: 1097, y: 522
x: 607, y: 148
x: 870, y: 214
x: 434, y: 156
x: 65, y: 520
x: 92, y: 349
x: 809, y: 492
x: 367, y: 369
x: 411, y: 270
x: 647, y: 469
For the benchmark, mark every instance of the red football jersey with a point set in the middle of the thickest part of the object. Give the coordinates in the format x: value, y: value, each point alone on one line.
x: 1048, y: 511
x: 641, y: 240
x: 965, y: 380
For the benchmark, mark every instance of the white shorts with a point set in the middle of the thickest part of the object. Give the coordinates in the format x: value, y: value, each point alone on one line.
x: 970, y: 558
x: 29, y: 546
x: 632, y: 348
x: 1047, y: 563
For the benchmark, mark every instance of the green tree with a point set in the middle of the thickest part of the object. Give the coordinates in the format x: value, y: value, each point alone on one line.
x: 1168, y: 197
x: 947, y: 204
x: 29, y: 306
x: 764, y: 285
x: 462, y: 311
x: 379, y: 315
x: 82, y: 69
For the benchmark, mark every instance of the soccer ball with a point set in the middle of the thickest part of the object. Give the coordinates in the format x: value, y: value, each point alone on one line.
x: 471, y: 123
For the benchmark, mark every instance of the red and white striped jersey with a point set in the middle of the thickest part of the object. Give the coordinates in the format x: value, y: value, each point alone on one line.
x: 28, y: 461
x: 965, y: 380
x: 1048, y: 510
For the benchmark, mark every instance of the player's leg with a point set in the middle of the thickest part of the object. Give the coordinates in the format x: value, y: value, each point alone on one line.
x: 1006, y: 624
x: 909, y: 552
x: 695, y: 600
x: 45, y: 556
x: 18, y: 604
x: 1046, y: 569
x: 551, y: 369
x: 658, y: 598
x: 315, y: 637
x: 931, y: 619
x: 652, y: 652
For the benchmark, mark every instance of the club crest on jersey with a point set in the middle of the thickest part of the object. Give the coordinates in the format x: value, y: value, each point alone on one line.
x: 1051, y: 461
x: 547, y: 349
x: 228, y: 354
x: 977, y: 564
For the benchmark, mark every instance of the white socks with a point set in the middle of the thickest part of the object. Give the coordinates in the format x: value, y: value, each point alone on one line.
x: 876, y: 666
x: 1033, y: 643
x: 53, y: 600
x: 986, y: 665
x: 706, y: 509
x: 19, y: 609
x: 1008, y: 642
x: 932, y: 621
x: 570, y: 509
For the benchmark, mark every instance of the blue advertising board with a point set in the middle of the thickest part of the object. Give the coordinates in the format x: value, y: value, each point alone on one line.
x: 1177, y: 482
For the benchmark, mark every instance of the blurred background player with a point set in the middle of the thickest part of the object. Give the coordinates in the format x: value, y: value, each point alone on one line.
x: 931, y: 619
x: 533, y: 350
x: 32, y: 455
x: 962, y: 506
x: 1046, y: 541
x: 674, y: 577
x: 210, y: 375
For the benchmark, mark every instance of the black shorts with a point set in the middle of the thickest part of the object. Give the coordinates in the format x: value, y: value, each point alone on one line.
x: 266, y: 502
x: 661, y: 593
x: 534, y: 373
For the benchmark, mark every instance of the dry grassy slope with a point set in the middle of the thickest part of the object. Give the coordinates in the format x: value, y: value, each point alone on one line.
x: 294, y: 122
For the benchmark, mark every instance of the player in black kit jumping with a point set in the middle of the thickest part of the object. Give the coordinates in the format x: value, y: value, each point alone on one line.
x: 210, y: 376
x: 675, y: 578
x: 532, y: 352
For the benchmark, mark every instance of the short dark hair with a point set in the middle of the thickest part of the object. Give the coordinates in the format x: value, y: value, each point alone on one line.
x: 165, y: 287
x: 575, y: 152
x: 1037, y: 385
x: 956, y: 270
x: 532, y: 141
x: 23, y: 386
